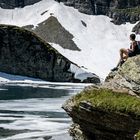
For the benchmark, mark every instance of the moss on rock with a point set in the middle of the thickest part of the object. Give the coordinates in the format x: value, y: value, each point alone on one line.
x: 109, y: 100
x: 137, y: 136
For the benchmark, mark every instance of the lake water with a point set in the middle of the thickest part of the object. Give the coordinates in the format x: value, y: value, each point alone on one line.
x: 35, y: 113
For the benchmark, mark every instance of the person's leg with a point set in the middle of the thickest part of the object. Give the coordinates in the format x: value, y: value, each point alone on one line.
x: 123, y: 54
x: 123, y: 58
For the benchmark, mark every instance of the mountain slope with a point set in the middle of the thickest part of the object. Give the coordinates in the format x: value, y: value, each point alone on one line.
x: 99, y: 41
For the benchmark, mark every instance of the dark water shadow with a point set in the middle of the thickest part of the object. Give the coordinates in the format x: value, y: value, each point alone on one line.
x: 18, y: 92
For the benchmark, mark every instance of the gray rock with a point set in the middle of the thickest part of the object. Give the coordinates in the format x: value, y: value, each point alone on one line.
x: 52, y: 31
x: 136, y: 29
x: 93, y: 120
x: 127, y: 77
x: 23, y: 53
x: 98, y: 124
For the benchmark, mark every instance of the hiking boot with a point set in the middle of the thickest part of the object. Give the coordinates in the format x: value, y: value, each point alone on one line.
x: 114, y: 69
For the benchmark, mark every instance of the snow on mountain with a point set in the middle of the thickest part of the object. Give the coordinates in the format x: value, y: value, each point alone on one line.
x: 99, y: 41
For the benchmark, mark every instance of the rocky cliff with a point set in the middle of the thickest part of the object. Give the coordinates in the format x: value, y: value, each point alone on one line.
x: 120, y: 10
x: 110, y: 111
x: 23, y: 53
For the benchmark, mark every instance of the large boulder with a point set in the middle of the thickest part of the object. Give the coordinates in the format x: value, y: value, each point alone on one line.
x: 127, y: 76
x: 23, y: 53
x: 104, y: 114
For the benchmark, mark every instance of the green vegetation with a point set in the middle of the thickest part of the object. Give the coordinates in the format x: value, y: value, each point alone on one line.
x: 138, y: 136
x: 130, y: 11
x: 108, y: 100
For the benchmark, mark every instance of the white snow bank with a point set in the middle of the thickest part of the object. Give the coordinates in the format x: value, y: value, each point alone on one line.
x: 80, y: 73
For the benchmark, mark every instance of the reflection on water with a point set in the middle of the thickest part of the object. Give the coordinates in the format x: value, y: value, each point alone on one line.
x: 34, y: 113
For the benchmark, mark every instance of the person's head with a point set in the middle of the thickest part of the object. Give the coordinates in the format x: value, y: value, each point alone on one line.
x: 132, y: 37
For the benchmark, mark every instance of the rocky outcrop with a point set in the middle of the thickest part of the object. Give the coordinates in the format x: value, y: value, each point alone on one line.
x: 23, y: 53
x: 136, y: 29
x: 103, y: 114
x: 126, y: 77
x: 110, y: 111
x: 120, y: 16
x: 52, y: 31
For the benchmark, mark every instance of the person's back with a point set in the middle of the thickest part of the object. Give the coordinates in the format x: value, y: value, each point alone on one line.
x: 133, y: 49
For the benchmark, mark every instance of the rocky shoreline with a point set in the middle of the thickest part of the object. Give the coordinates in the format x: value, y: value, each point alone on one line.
x: 111, y: 110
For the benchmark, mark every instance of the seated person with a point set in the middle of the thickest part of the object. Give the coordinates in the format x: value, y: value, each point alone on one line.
x: 125, y: 53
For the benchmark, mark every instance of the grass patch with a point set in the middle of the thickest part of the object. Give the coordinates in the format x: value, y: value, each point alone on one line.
x: 132, y: 11
x: 108, y: 100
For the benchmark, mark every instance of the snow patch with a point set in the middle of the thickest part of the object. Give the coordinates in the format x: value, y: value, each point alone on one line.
x: 80, y: 73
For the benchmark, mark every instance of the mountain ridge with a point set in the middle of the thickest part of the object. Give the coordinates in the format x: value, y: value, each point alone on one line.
x: 119, y: 10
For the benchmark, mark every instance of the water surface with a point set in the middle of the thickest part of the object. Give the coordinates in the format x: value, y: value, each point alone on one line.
x: 35, y: 113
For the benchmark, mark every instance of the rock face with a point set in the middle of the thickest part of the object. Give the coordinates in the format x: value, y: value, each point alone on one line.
x: 110, y: 111
x: 120, y: 16
x: 89, y: 6
x: 127, y: 76
x: 23, y: 53
x: 120, y: 10
x: 136, y: 29
x: 10, y: 4
x: 52, y: 31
